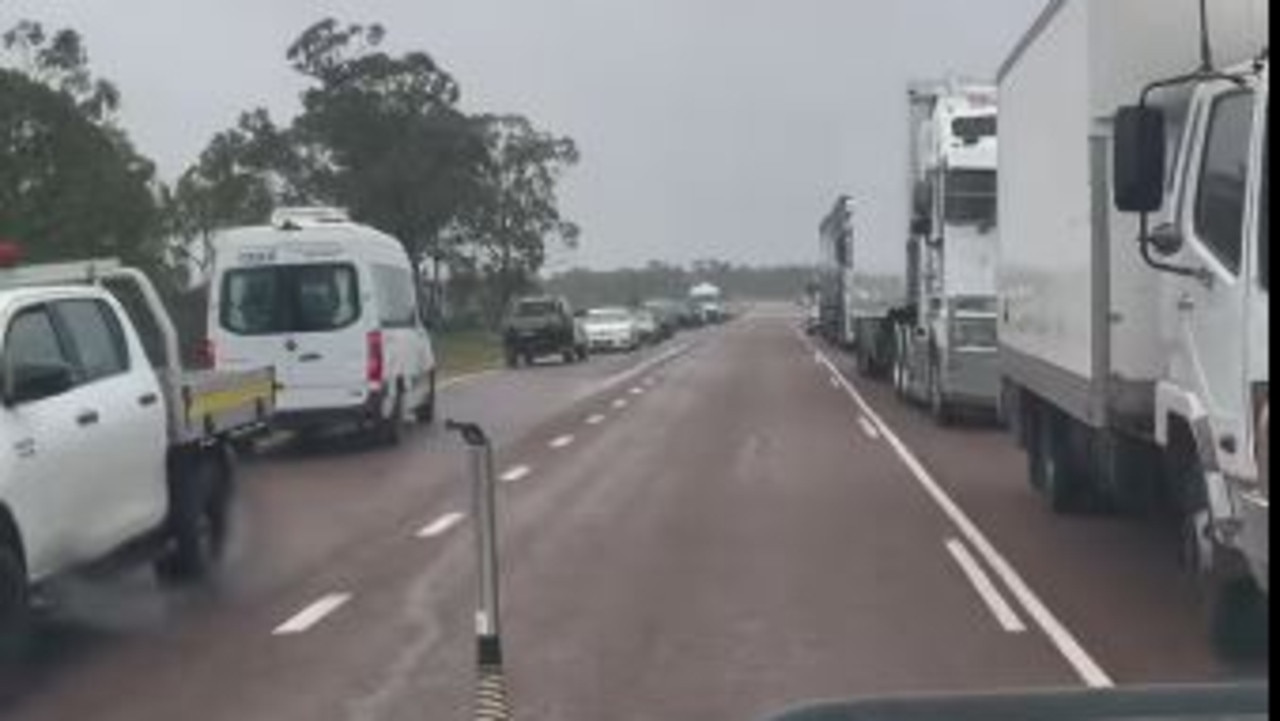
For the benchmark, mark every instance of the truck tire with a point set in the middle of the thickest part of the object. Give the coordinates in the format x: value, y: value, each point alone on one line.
x: 513, y: 357
x: 1235, y: 608
x: 15, y: 610
x: 198, y: 520
x: 582, y: 354
x: 569, y: 356
x: 426, y: 413
x: 1052, y: 470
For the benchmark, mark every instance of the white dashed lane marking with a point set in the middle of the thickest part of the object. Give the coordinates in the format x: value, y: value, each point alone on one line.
x: 309, y: 617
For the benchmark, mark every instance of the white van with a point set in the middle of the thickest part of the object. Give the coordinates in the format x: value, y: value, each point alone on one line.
x: 334, y: 307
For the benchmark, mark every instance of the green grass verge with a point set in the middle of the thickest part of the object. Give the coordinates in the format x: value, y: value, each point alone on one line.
x: 470, y: 351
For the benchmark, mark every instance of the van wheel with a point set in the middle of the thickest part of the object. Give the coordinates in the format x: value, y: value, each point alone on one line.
x: 390, y: 429
x: 198, y: 520
x: 15, y: 610
x: 426, y: 413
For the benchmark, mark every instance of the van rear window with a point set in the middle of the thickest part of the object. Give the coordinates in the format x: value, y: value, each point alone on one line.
x: 289, y: 299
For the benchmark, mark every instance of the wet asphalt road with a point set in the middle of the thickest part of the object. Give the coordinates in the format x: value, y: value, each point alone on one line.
x: 712, y: 529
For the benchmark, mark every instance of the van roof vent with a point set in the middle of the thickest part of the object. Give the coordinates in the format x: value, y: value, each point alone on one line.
x: 309, y: 216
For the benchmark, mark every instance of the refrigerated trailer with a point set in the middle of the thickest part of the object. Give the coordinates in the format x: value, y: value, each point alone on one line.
x: 854, y: 301
x: 1135, y: 372
x: 945, y: 334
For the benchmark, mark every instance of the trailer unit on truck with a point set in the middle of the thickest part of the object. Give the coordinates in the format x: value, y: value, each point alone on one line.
x: 1135, y: 360
x: 853, y: 302
x: 945, y: 351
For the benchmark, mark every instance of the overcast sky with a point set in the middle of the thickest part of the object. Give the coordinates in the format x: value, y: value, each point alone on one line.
x: 708, y: 128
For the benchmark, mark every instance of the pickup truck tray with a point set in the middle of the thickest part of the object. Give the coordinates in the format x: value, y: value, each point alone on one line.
x: 207, y: 404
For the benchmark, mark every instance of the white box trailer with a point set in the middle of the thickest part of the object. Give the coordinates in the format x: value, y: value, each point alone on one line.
x: 1125, y: 377
x: 1079, y: 321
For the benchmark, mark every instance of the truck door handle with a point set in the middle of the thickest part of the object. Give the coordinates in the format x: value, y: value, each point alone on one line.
x: 147, y: 399
x: 1186, y: 303
x: 309, y: 357
x: 87, y: 418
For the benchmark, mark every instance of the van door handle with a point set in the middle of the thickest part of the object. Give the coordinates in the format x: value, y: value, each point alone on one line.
x: 147, y: 399
x: 87, y: 418
x: 309, y: 357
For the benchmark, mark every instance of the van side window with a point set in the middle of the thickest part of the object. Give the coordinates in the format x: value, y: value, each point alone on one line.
x: 397, y: 302
x: 1224, y: 175
x: 96, y: 338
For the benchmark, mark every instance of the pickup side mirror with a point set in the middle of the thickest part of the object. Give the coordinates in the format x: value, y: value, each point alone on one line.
x: 1139, y: 158
x: 36, y: 381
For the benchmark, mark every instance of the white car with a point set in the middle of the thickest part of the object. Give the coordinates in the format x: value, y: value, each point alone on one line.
x: 334, y: 307
x: 611, y: 329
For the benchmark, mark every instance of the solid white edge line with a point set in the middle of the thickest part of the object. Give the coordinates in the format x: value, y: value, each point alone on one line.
x: 981, y: 583
x: 442, y: 524
x: 1079, y: 659
x: 560, y: 442
x: 307, y: 618
x: 868, y: 428
x: 515, y: 473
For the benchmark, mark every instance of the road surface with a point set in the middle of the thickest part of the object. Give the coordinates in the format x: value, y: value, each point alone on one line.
x: 713, y: 529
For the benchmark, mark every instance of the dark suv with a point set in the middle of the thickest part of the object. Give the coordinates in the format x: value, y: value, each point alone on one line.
x: 542, y: 325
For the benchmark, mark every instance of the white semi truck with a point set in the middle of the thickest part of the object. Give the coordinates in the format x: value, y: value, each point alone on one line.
x: 1135, y: 361
x: 945, y: 348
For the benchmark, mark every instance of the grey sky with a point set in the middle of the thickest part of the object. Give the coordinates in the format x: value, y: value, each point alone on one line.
x: 708, y: 128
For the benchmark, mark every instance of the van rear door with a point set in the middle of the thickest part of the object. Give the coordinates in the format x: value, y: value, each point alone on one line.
x: 305, y: 320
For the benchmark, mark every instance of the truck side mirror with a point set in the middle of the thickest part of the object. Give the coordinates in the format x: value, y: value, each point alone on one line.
x: 1139, y: 158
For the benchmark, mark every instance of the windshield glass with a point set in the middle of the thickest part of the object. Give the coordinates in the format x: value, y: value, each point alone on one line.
x: 667, y: 360
x: 974, y: 127
x: 971, y: 197
x: 289, y: 299
x: 609, y: 315
x: 535, y: 308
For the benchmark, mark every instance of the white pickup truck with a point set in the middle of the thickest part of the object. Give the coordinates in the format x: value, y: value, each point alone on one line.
x: 107, y: 451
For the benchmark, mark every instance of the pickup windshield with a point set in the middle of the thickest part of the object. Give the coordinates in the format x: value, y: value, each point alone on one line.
x: 535, y: 308
x: 290, y: 299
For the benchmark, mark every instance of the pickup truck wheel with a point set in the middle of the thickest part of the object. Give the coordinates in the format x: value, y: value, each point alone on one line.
x: 569, y: 356
x: 197, y: 523
x: 15, y: 610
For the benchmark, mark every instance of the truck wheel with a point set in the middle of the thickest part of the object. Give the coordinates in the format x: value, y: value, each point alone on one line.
x: 569, y: 356
x: 1236, y: 610
x: 426, y: 413
x: 198, y: 520
x: 582, y: 354
x: 1053, y: 471
x: 15, y: 610
x: 513, y: 358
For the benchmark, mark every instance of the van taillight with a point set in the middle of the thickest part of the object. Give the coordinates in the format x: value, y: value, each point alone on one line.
x: 205, y: 356
x: 375, y: 357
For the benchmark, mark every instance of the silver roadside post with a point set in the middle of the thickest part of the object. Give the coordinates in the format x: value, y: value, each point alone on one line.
x: 491, y: 686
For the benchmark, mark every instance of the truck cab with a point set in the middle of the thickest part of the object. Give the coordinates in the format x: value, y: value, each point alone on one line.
x: 1212, y: 253
x: 946, y: 348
